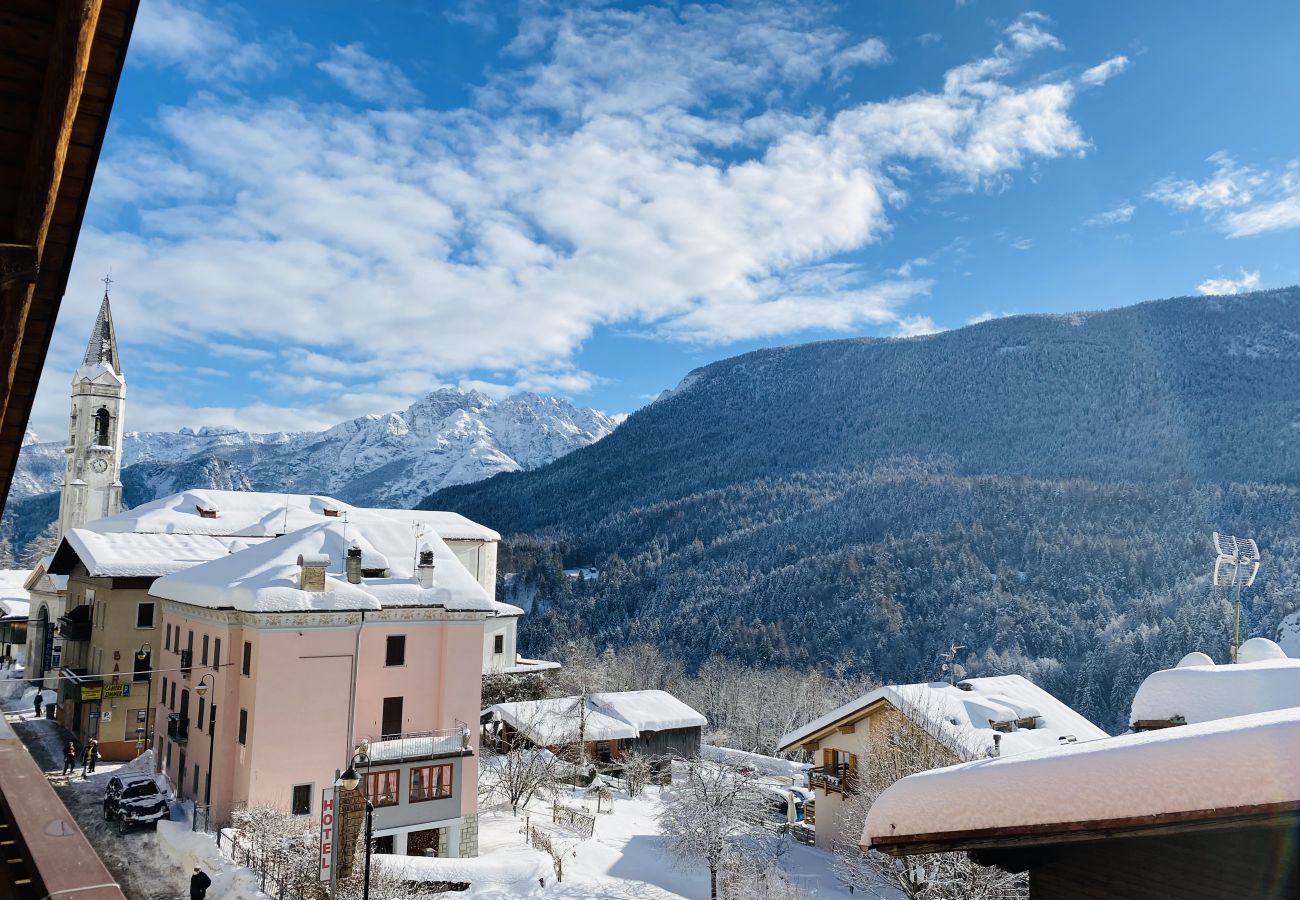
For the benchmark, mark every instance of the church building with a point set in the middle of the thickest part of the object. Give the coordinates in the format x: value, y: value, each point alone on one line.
x: 92, y: 486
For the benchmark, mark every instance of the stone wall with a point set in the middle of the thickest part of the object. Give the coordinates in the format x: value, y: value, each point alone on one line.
x: 469, y: 837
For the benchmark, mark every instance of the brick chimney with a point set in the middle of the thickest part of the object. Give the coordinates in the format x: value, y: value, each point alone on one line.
x: 311, y: 575
x: 353, y: 564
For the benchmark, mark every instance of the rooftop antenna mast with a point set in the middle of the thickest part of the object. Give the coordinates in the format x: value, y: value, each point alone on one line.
x: 1235, y: 565
x: 950, y: 661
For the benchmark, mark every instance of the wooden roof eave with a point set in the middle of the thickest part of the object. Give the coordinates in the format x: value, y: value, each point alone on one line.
x: 810, y: 742
x: 1017, y: 837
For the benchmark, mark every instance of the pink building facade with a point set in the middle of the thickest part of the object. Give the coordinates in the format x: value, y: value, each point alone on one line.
x: 307, y: 661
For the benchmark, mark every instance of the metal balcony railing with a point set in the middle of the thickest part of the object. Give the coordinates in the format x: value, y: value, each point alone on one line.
x: 178, y: 728
x: 419, y: 744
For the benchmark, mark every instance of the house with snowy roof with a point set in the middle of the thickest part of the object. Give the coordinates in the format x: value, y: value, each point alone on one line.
x: 1202, y: 811
x: 1196, y: 690
x: 994, y: 716
x: 284, y: 659
x: 608, y: 724
x: 15, y: 608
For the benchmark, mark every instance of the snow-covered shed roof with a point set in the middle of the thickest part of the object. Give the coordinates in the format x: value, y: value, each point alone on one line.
x: 615, y: 715
x: 1211, y: 770
x: 560, y: 720
x: 265, y: 577
x: 130, y: 555
x: 962, y: 716
x: 223, y: 513
x: 1264, y: 680
x: 649, y: 710
x: 15, y: 601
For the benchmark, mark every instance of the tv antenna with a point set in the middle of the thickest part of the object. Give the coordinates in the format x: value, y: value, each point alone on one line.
x: 1235, y: 565
x: 950, y: 661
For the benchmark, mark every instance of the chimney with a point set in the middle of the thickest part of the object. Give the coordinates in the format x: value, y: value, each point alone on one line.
x: 311, y: 576
x: 353, y: 564
x: 424, y: 571
x: 997, y: 744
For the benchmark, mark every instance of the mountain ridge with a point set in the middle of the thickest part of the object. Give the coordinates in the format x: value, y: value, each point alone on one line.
x: 877, y: 500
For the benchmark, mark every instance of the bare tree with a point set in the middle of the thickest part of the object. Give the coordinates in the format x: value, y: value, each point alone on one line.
x: 715, y: 815
x: 904, y: 743
x: 519, y: 775
x: 638, y: 769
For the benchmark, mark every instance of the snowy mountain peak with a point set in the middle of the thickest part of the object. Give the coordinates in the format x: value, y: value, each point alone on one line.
x: 391, y: 459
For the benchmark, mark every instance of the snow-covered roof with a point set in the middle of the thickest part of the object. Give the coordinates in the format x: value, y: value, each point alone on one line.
x: 649, y: 710
x: 131, y: 555
x: 265, y: 577
x: 609, y: 716
x: 963, y: 719
x: 1225, y: 765
x: 15, y: 601
x: 42, y: 571
x: 1265, y: 680
x: 229, y: 513
x: 449, y: 526
x: 551, y: 723
x: 270, y: 514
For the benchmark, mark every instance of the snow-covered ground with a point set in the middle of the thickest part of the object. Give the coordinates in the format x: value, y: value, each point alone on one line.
x: 624, y: 858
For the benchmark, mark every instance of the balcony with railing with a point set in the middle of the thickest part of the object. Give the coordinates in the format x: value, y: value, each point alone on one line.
x: 419, y: 745
x: 840, y: 779
x: 178, y: 728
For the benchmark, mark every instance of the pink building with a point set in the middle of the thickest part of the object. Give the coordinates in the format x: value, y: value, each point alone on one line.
x: 338, y: 637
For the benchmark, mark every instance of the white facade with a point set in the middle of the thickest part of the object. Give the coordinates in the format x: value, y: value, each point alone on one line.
x: 92, y: 485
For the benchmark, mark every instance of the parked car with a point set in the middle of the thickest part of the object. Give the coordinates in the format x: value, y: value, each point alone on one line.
x: 134, y: 800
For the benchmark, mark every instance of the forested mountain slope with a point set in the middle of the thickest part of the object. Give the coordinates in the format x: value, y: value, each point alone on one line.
x: 1038, y: 488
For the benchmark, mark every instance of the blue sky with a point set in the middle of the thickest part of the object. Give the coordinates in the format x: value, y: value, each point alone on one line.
x: 314, y: 211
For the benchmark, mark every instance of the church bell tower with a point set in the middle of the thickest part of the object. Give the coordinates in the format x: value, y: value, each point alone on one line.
x: 92, y: 486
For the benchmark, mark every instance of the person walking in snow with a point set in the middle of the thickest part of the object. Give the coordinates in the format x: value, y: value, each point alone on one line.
x: 37, y: 702
x: 199, y: 882
x: 89, y: 757
x: 69, y: 758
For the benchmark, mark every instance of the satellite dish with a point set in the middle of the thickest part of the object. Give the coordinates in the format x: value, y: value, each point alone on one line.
x: 1236, y: 562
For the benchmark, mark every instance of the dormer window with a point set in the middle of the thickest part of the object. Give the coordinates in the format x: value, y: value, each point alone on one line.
x: 374, y: 573
x: 207, y: 512
x: 1004, y: 727
x: 332, y: 513
x: 1028, y: 723
x: 102, y: 423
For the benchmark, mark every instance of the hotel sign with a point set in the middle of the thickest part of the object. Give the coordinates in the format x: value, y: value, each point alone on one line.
x: 328, y: 801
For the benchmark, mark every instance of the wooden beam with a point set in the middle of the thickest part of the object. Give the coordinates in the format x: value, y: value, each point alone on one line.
x: 18, y: 266
x: 65, y: 77
x: 847, y: 729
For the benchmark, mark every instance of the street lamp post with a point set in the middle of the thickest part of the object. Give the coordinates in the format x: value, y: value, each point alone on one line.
x: 202, y: 688
x: 145, y: 655
x: 349, y: 780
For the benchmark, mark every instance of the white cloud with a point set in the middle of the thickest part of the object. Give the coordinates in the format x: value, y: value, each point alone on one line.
x: 916, y: 326
x: 1248, y: 281
x: 1117, y: 216
x: 987, y: 316
x: 1242, y: 201
x: 367, y: 78
x: 576, y: 192
x: 871, y: 52
x: 174, y: 33
x: 929, y: 39
x: 1104, y: 71
x: 1022, y: 243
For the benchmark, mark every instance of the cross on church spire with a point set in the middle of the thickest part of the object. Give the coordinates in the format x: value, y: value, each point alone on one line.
x: 102, y: 347
x: 107, y: 279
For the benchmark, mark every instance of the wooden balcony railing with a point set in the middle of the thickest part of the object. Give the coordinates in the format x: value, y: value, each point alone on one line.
x: 840, y: 779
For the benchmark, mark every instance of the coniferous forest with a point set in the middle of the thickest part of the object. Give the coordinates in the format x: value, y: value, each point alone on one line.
x: 1037, y: 489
